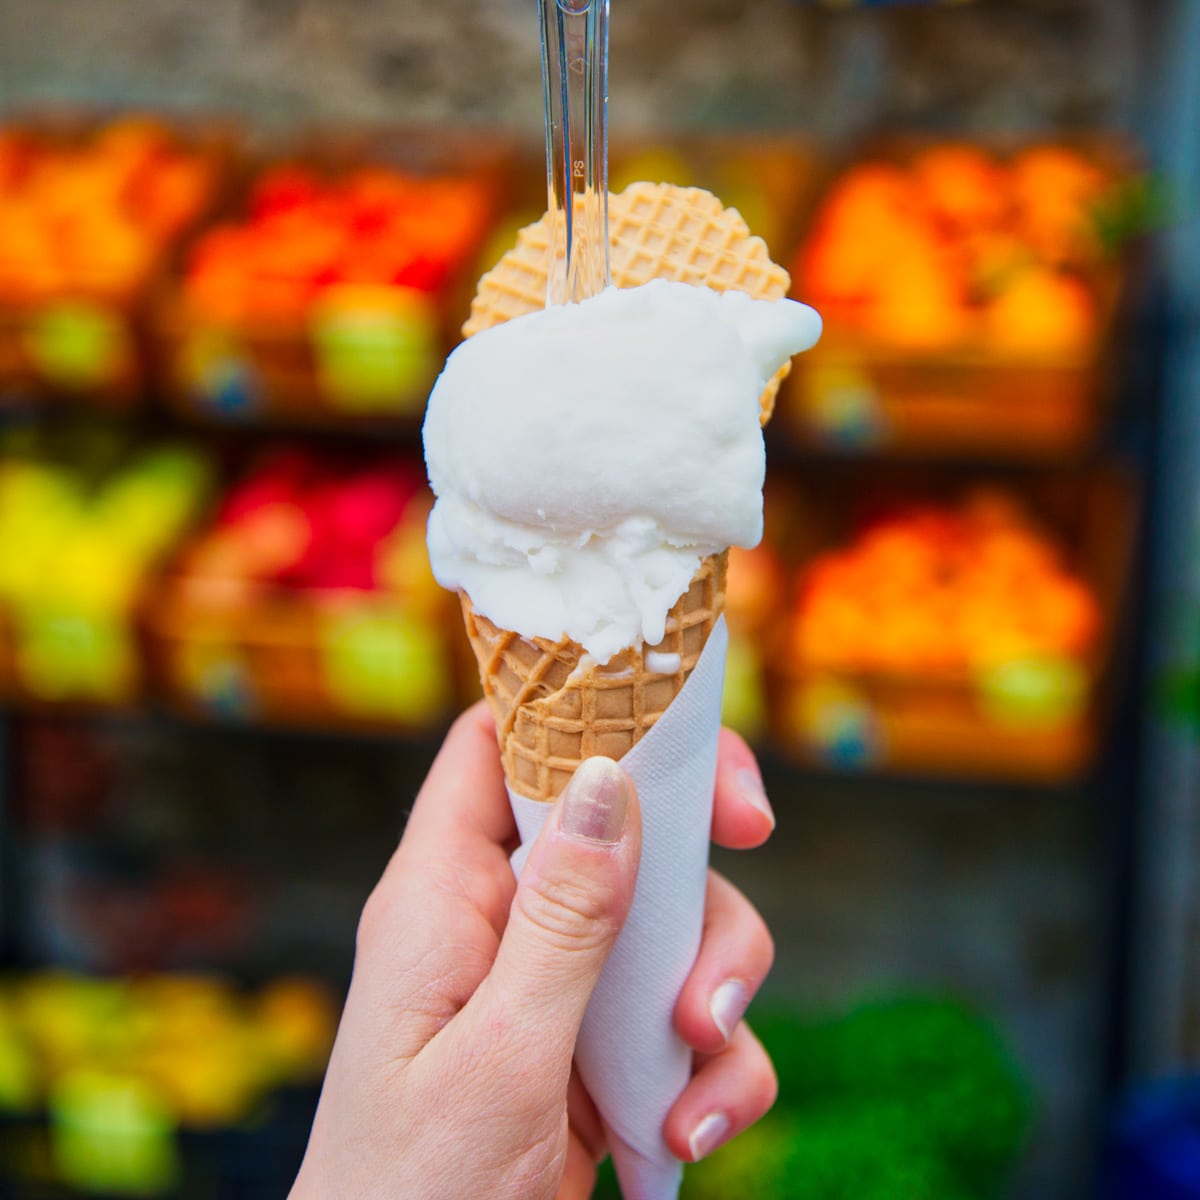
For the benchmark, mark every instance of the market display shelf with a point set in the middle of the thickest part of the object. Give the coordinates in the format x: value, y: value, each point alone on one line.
x: 786, y: 775
x: 215, y: 640
x: 359, y: 663
x: 782, y: 765
x: 264, y: 633
x: 352, y: 662
x: 341, y: 348
x: 940, y: 406
x: 128, y: 1085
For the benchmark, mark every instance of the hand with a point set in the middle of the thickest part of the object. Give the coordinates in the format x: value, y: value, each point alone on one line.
x: 451, y: 1075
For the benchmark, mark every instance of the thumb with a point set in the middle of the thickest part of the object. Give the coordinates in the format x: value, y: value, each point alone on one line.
x: 571, y: 901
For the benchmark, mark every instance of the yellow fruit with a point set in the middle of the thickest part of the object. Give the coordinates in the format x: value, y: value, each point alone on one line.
x: 1041, y: 313
x: 296, y: 1022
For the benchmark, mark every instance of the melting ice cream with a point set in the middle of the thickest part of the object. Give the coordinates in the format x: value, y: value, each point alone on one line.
x: 586, y: 457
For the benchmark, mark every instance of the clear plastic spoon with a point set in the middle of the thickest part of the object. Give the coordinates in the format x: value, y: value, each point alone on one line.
x: 575, y: 86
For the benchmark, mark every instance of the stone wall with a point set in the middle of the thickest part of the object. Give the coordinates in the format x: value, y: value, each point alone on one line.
x: 829, y: 71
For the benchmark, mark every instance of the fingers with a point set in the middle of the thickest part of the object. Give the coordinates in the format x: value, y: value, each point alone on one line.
x: 452, y: 860
x: 462, y: 801
x: 727, y: 1094
x: 572, y: 898
x: 429, y: 930
x: 736, y: 952
x: 585, y: 1119
x: 579, y: 1174
x: 426, y: 940
x: 742, y: 815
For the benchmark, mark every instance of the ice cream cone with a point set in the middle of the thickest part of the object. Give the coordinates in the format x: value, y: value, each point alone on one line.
x: 553, y: 710
x: 553, y: 706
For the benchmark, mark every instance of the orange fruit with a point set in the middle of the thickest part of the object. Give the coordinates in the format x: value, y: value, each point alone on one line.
x: 754, y: 586
x: 173, y: 192
x: 1041, y: 313
x: 1062, y: 616
x: 964, y: 186
x: 868, y: 211
x: 869, y: 193
x: 917, y: 302
x: 1055, y: 192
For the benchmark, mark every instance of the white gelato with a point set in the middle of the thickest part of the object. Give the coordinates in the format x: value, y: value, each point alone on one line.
x: 586, y: 457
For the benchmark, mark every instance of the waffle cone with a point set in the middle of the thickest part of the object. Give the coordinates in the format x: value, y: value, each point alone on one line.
x: 551, y: 714
x: 553, y: 707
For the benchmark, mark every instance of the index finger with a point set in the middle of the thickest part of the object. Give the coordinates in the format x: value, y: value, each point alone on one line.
x: 429, y: 930
x: 463, y: 801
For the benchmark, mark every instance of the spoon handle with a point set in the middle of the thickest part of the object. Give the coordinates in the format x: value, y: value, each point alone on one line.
x: 575, y: 88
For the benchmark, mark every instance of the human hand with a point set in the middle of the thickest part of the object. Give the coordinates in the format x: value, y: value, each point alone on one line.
x: 451, y: 1075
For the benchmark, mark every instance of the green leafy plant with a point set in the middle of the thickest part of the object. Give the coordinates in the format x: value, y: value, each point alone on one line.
x: 910, y: 1098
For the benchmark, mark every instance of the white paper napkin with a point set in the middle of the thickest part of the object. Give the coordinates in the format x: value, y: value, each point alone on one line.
x: 628, y: 1054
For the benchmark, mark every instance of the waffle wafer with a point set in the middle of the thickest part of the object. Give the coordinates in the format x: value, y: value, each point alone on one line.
x: 655, y: 231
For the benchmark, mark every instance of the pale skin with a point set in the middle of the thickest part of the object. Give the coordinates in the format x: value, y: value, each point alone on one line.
x: 451, y: 1076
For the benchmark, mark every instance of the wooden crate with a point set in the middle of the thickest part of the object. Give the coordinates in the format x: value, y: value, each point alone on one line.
x: 856, y: 393
x: 296, y: 657
x: 89, y: 338
x: 359, y: 356
x: 951, y: 722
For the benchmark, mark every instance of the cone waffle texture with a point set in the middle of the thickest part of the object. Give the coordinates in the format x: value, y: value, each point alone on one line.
x: 655, y: 231
x: 553, y: 707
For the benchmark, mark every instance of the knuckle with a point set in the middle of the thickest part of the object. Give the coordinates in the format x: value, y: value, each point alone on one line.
x: 376, y: 922
x: 464, y: 722
x: 483, y: 892
x: 733, y: 745
x: 572, y: 914
x: 764, y: 1082
x: 770, y: 1089
x: 747, y: 930
x: 766, y: 946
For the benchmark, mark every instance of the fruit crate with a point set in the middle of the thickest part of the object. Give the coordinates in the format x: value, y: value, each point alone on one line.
x: 85, y: 534
x: 158, y: 1084
x: 78, y: 660
x: 1026, y: 717
x: 93, y: 207
x: 998, y: 338
x: 308, y: 599
x: 345, y: 346
x: 336, y: 658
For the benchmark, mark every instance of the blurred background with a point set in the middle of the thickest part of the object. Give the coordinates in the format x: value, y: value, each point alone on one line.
x: 237, y: 239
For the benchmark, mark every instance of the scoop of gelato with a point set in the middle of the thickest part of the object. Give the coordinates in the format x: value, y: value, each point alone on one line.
x: 586, y: 457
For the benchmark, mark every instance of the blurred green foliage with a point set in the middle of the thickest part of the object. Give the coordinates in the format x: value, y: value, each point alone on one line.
x: 911, y: 1098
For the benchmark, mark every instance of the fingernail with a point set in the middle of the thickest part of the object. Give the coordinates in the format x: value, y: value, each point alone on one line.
x: 708, y: 1135
x: 595, y: 801
x: 728, y: 1005
x: 750, y: 788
